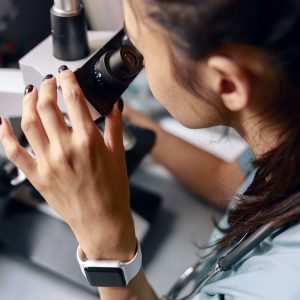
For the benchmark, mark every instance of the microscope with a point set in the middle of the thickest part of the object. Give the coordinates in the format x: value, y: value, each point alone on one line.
x: 105, y: 64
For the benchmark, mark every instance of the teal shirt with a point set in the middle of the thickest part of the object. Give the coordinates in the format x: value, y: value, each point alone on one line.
x: 270, y: 272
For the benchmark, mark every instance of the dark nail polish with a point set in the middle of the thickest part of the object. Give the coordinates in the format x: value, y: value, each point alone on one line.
x: 62, y: 68
x: 28, y: 89
x: 0, y: 121
x: 121, y: 105
x: 49, y: 76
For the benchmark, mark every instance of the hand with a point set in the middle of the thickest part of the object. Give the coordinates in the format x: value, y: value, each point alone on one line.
x: 81, y: 174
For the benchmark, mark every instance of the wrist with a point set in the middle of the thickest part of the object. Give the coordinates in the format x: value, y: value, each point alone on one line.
x: 83, y: 256
x: 121, y: 249
x: 115, y: 242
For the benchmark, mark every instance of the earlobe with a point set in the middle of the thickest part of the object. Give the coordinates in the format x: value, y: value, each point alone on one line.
x: 231, y: 82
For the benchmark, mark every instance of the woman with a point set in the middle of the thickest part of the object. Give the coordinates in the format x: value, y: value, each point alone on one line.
x: 229, y: 62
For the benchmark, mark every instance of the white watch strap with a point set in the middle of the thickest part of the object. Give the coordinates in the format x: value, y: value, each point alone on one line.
x: 130, y: 268
x: 133, y: 267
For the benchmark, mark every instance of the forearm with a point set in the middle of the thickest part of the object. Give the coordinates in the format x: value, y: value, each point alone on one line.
x: 201, y: 172
x: 138, y: 288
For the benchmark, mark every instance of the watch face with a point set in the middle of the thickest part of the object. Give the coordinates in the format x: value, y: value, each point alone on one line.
x: 105, y: 277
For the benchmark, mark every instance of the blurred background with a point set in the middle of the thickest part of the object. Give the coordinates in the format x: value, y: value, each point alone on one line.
x: 24, y: 24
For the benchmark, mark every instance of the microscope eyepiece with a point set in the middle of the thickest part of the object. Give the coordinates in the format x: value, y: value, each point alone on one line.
x: 118, y: 67
x: 126, y: 62
x: 109, y: 72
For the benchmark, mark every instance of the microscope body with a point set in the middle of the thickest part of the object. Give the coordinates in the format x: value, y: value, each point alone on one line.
x: 109, y: 72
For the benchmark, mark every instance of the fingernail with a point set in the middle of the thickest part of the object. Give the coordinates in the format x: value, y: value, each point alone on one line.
x: 49, y: 76
x: 62, y: 68
x: 0, y: 121
x: 121, y: 105
x: 28, y: 89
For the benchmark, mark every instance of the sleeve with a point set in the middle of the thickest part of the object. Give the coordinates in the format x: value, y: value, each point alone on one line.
x: 274, y: 275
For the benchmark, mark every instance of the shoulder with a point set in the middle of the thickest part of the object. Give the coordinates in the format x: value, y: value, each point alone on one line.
x: 271, y: 271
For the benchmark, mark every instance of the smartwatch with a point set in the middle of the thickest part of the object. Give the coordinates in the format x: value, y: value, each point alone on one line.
x: 109, y: 273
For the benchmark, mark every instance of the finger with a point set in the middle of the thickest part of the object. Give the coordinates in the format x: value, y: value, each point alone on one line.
x: 14, y: 151
x: 49, y: 112
x: 31, y: 123
x: 113, y: 133
x: 74, y: 99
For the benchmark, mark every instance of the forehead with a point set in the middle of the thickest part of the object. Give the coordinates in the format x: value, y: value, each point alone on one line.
x: 137, y: 19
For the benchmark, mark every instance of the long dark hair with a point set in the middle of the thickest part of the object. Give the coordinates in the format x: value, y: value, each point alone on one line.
x: 198, y: 27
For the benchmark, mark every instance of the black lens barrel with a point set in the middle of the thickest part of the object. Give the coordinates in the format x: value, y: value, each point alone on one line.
x: 125, y: 63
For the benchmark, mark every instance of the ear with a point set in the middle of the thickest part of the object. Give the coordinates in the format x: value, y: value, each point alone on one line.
x: 231, y: 82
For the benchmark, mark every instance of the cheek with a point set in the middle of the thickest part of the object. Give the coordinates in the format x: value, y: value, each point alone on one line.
x: 160, y: 82
x: 191, y: 111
